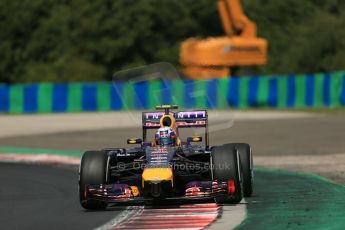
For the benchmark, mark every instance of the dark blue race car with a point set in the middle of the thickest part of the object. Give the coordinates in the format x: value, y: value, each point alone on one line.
x: 167, y: 168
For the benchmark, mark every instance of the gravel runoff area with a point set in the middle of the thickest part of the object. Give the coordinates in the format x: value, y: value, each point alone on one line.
x: 295, y: 141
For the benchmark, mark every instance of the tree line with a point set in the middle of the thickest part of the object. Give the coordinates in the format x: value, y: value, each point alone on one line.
x: 87, y: 40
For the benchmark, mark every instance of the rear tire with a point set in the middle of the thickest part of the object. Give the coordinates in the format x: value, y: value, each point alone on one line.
x: 93, y: 170
x: 246, y: 159
x: 226, y: 166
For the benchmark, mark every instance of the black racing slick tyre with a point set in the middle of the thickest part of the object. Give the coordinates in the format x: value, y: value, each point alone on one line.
x: 246, y: 159
x: 93, y: 170
x: 226, y: 166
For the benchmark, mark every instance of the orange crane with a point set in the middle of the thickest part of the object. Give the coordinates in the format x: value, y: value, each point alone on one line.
x: 215, y: 56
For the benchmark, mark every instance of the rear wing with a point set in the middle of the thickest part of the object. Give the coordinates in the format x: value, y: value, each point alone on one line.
x: 183, y: 119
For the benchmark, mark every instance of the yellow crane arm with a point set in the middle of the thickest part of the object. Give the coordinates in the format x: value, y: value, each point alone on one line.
x: 234, y: 21
x: 214, y: 56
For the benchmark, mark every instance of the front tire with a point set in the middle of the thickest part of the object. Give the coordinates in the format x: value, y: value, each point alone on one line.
x: 226, y: 166
x: 246, y: 159
x: 93, y: 170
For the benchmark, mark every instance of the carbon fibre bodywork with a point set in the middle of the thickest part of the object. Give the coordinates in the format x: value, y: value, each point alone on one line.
x: 147, y: 172
x: 153, y: 171
x: 191, y: 177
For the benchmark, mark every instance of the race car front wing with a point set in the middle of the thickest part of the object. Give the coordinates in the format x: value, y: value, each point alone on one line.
x: 120, y: 193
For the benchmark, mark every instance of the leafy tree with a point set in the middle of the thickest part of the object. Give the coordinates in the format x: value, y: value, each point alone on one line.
x: 303, y: 36
x: 87, y: 40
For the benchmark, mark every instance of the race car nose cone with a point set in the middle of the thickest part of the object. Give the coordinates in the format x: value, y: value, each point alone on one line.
x: 158, y: 189
x: 157, y: 182
x: 158, y: 174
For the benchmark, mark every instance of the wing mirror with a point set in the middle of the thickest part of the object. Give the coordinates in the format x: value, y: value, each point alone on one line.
x: 194, y: 139
x: 133, y: 141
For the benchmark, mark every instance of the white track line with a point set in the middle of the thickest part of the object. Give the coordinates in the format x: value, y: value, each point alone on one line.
x: 129, y: 212
x: 231, y: 217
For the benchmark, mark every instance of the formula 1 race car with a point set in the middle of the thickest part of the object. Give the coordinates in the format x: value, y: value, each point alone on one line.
x: 155, y: 171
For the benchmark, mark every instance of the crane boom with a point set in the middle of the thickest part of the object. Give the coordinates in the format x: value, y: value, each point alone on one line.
x: 213, y: 57
x: 232, y: 15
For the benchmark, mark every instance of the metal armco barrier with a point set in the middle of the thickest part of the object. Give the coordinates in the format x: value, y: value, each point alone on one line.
x: 321, y: 90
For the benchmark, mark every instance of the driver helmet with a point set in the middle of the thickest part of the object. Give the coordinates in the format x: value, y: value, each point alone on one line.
x: 165, y: 136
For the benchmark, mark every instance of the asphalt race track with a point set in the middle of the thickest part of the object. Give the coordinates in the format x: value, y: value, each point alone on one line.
x: 45, y: 197
x: 303, y: 136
